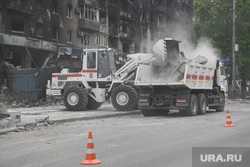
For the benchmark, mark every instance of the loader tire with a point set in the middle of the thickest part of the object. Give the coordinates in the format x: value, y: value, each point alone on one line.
x: 75, y: 98
x: 192, y: 106
x: 202, y: 103
x: 220, y: 108
x: 92, y: 104
x: 124, y: 98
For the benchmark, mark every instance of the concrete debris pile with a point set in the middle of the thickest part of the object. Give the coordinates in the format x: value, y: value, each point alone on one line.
x: 168, y: 62
x: 24, y: 87
x: 5, y: 118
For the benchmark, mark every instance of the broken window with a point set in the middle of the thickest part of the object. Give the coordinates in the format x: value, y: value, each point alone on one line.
x: 88, y: 12
x: 160, y: 2
x: 1, y: 15
x: 113, y: 2
x: 113, y: 43
x: 17, y: 24
x: 113, y: 22
x: 125, y: 48
x: 124, y: 28
x: 39, y: 29
x: 54, y: 7
x: 102, y: 18
x: 145, y: 35
x: 85, y: 39
x: 144, y: 14
x: 39, y: 3
x: 152, y: 17
x: 69, y: 11
x: 55, y: 33
x: 69, y: 35
x: 125, y: 5
x: 100, y: 40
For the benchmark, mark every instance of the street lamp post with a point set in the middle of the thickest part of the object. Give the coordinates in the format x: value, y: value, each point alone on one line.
x: 233, y: 70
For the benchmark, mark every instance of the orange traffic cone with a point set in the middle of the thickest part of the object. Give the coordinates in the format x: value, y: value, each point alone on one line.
x: 90, y: 154
x: 229, y: 122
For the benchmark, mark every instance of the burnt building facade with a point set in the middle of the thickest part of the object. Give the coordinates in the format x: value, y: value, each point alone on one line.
x: 126, y: 25
x: 32, y: 29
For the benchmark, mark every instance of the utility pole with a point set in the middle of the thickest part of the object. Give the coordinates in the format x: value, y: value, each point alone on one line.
x: 233, y: 65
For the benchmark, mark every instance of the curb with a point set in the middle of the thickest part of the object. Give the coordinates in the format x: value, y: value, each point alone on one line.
x: 95, y: 117
x: 20, y: 126
x: 12, y: 129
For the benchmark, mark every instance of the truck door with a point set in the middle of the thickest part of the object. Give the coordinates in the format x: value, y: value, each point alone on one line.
x: 222, y: 78
x: 90, y: 65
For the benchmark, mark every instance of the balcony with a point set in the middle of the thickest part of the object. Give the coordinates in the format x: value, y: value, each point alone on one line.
x: 126, y: 36
x: 89, y: 25
x: 125, y: 16
x: 103, y: 28
x: 19, y: 8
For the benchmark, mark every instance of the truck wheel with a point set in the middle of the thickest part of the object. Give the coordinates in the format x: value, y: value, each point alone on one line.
x: 75, y: 98
x: 192, y: 106
x: 146, y: 112
x: 92, y: 104
x: 222, y: 103
x: 202, y: 103
x: 124, y: 98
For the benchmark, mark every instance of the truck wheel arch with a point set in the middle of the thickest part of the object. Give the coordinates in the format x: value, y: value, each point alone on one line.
x: 69, y: 84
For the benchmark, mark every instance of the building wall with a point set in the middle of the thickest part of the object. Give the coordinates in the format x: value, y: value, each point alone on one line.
x: 128, y: 26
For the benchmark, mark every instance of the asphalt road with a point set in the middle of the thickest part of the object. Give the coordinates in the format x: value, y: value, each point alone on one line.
x: 130, y: 141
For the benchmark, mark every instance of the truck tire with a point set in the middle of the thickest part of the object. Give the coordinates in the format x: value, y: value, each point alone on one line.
x: 75, y: 98
x: 164, y: 112
x: 92, y: 104
x: 221, y: 107
x: 192, y: 106
x: 147, y: 112
x: 202, y: 103
x: 124, y: 98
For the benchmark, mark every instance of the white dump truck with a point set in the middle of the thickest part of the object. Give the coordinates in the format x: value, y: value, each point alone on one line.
x: 172, y: 81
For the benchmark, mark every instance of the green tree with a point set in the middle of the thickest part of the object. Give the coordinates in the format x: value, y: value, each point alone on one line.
x: 214, y: 21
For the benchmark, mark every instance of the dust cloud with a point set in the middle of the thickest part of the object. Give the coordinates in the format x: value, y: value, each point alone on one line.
x: 160, y: 72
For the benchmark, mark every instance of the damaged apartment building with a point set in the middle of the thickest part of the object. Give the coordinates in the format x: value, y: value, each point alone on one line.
x: 32, y: 30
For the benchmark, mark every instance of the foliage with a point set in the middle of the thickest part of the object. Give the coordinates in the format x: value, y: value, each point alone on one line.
x: 214, y: 20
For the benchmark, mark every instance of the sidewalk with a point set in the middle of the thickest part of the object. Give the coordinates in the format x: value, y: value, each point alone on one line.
x: 23, y: 118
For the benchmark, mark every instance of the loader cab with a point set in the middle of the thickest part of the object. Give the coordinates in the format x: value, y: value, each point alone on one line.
x: 100, y: 63
x: 69, y: 57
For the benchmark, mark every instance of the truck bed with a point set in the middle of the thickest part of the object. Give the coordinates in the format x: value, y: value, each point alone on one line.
x: 191, y: 75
